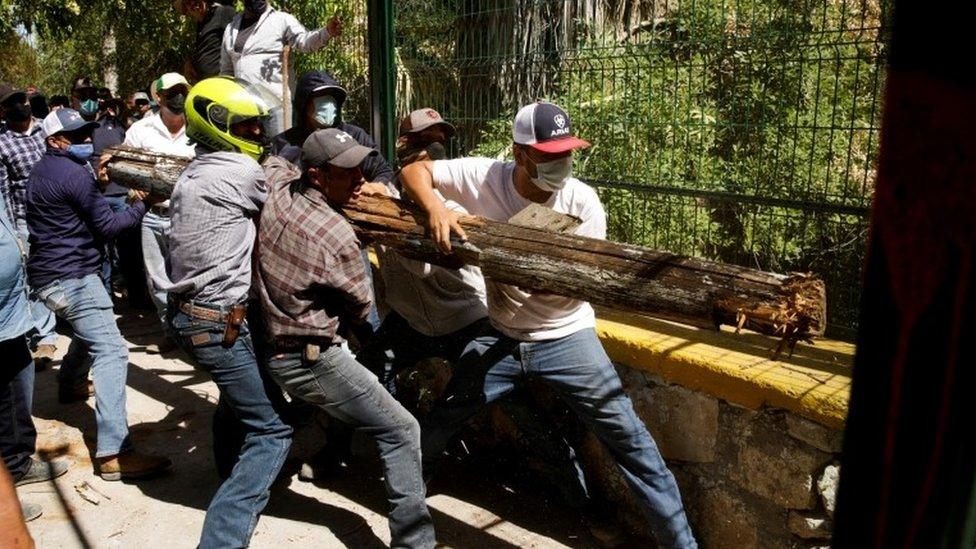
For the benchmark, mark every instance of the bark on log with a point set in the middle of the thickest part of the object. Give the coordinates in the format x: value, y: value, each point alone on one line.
x: 620, y: 276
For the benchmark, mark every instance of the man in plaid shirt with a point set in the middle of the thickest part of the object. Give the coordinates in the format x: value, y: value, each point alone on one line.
x: 313, y: 286
x: 21, y: 146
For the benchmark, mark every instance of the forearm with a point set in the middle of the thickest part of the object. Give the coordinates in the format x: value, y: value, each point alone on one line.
x: 309, y: 41
x: 418, y: 183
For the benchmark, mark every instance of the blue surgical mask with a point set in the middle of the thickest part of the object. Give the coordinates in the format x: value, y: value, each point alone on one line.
x: 88, y: 107
x: 81, y: 151
x: 325, y: 110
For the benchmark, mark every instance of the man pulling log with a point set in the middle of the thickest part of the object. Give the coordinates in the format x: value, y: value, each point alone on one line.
x: 534, y: 334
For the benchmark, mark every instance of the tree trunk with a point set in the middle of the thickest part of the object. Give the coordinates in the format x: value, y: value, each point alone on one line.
x: 619, y: 276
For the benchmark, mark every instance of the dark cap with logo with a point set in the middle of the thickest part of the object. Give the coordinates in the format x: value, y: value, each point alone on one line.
x: 335, y: 147
x: 545, y: 127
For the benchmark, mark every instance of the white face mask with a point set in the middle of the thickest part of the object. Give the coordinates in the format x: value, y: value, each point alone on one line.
x: 552, y: 175
x: 325, y: 111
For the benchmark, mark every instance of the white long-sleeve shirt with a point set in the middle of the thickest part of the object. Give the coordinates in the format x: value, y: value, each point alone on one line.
x: 260, y: 60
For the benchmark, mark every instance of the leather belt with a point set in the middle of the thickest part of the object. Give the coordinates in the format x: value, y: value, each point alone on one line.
x: 202, y: 313
x: 231, y: 317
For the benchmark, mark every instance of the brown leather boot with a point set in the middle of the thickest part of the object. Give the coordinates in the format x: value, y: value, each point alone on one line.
x: 130, y: 465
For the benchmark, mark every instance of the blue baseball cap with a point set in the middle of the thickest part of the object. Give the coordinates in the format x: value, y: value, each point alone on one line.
x: 65, y: 120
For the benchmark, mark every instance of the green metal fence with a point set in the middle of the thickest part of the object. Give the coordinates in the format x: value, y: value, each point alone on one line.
x: 739, y: 130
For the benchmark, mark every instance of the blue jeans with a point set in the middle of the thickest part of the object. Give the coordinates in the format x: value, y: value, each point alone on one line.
x: 17, y: 434
x: 44, y: 321
x: 96, y: 345
x: 346, y: 390
x: 154, y: 252
x: 233, y: 512
x: 577, y: 368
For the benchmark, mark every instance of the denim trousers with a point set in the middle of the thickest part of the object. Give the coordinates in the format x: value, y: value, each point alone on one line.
x: 44, y: 321
x: 154, y: 252
x: 234, y: 510
x: 346, y: 390
x: 96, y: 345
x: 17, y: 434
x: 577, y: 368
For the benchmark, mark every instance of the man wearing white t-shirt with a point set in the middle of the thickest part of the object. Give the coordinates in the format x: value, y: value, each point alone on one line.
x: 544, y: 336
x: 163, y: 133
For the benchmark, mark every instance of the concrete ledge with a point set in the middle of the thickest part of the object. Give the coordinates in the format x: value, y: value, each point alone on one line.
x: 814, y: 383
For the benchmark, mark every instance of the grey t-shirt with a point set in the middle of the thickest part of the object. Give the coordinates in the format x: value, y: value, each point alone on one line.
x: 213, y: 210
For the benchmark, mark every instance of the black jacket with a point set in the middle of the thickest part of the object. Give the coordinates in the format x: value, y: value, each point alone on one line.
x: 210, y: 35
x: 288, y: 144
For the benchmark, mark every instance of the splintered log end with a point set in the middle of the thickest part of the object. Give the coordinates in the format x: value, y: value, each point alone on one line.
x: 800, y: 313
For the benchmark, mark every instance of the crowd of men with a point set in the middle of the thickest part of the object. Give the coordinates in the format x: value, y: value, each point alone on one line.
x: 255, y: 273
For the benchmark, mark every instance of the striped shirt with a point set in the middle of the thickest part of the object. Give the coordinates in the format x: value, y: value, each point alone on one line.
x: 18, y: 154
x: 310, y: 273
x: 213, y: 208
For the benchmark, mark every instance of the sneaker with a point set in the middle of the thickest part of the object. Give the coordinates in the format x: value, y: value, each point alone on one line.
x: 80, y: 392
x: 42, y: 471
x: 131, y: 465
x: 30, y: 510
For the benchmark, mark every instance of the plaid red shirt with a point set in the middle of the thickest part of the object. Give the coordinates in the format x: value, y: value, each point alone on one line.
x: 309, y: 274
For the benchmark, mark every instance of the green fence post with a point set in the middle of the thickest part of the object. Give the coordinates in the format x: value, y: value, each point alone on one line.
x: 382, y: 73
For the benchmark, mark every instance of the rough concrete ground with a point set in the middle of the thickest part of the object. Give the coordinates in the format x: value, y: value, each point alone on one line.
x: 170, y: 406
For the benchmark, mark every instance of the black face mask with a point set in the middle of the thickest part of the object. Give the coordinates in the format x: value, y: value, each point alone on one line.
x: 18, y: 114
x: 176, y: 103
x: 409, y: 152
x: 255, y: 7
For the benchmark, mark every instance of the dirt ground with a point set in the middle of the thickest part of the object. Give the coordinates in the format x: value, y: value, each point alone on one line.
x: 170, y: 406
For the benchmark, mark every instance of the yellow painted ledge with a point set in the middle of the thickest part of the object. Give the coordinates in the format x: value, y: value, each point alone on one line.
x: 813, y: 383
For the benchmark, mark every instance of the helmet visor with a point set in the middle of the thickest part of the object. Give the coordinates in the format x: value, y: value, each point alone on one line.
x: 269, y: 104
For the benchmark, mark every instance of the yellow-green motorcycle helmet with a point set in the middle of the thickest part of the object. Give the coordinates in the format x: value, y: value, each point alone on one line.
x: 215, y: 104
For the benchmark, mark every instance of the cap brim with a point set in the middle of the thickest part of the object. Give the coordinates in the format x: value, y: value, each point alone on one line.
x: 338, y: 91
x: 561, y: 145
x: 447, y: 126
x: 352, y: 157
x: 79, y: 127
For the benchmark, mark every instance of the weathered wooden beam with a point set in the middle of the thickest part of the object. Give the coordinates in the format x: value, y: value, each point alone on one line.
x: 611, y: 274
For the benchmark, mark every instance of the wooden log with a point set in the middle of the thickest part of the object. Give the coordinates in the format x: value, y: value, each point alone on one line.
x: 620, y: 276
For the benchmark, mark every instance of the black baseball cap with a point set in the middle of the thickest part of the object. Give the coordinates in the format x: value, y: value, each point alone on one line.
x: 334, y: 147
x: 7, y: 91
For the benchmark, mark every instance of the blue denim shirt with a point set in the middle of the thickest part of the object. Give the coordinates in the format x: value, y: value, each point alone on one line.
x: 15, y: 318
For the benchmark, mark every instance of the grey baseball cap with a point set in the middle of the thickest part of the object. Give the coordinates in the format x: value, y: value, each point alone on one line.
x: 334, y: 147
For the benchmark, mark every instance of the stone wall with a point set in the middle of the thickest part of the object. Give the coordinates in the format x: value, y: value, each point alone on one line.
x: 749, y: 478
